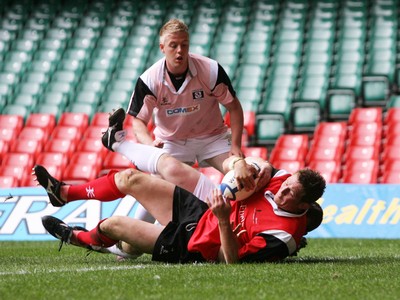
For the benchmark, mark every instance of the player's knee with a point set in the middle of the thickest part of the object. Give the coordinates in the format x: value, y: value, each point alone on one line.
x: 126, y: 179
x: 111, y: 225
x: 171, y: 167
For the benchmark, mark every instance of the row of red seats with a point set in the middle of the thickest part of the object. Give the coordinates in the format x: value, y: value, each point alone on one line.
x: 70, y: 149
x: 362, y: 150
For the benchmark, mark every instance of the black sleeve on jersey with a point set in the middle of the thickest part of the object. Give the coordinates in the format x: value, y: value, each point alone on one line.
x: 141, y: 91
x: 224, y: 78
x: 274, y: 251
x: 274, y: 171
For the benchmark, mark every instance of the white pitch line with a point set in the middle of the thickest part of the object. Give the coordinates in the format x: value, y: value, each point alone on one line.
x: 35, y: 271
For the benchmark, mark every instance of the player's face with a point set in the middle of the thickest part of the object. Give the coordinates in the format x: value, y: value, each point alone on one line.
x: 176, y: 51
x: 289, y: 195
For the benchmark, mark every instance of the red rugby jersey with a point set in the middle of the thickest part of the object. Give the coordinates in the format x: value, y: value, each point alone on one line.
x: 271, y: 233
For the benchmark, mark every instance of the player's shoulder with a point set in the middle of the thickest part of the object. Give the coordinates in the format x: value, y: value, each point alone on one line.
x: 202, y: 59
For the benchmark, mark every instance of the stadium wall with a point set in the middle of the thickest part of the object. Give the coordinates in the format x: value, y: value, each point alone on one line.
x: 350, y: 211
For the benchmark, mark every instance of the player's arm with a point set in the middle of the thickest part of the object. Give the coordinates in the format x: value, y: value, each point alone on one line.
x: 236, y: 114
x: 228, y: 253
x: 265, y: 172
x: 141, y: 107
x: 245, y: 171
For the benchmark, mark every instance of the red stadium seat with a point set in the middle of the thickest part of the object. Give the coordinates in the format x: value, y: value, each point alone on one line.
x: 365, y: 140
x: 294, y: 141
x: 8, y: 134
x: 249, y: 121
x: 79, y: 173
x: 42, y: 120
x: 36, y: 133
x: 360, y: 176
x: 95, y: 132
x: 52, y: 159
x: 18, y: 159
x: 66, y: 132
x: 366, y: 128
x: 215, y: 175
x: 114, y: 160
x: 329, y: 169
x: 362, y: 153
x: 64, y: 146
x: 392, y: 129
x: 392, y: 177
x: 393, y: 139
x: 28, y: 181
x: 33, y: 147
x: 256, y: 152
x: 328, y: 142
x: 87, y: 158
x: 366, y: 115
x: 331, y: 177
x: 331, y: 129
x: 391, y: 165
x: 92, y: 145
x: 322, y: 153
x: 290, y: 166
x: 392, y: 116
x: 391, y: 152
x: 18, y: 172
x: 8, y: 181
x: 12, y: 121
x: 100, y: 119
x: 129, y: 121
x: 289, y: 154
x: 4, y: 146
x: 369, y: 165
x: 80, y: 120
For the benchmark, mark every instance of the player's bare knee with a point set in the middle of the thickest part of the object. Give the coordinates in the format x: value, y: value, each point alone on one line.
x: 125, y: 180
x: 171, y: 167
x: 111, y: 225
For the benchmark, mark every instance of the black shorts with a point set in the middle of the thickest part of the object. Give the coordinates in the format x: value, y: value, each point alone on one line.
x: 171, y: 245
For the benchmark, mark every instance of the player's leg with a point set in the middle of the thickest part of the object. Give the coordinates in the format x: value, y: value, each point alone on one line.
x: 155, y: 194
x: 147, y: 158
x: 138, y: 236
x: 213, y: 151
x: 157, y: 161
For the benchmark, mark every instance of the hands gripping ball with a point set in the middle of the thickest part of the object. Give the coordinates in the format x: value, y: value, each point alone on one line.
x: 230, y: 190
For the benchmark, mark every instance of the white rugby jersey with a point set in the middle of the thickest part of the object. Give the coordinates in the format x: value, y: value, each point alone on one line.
x: 192, y: 111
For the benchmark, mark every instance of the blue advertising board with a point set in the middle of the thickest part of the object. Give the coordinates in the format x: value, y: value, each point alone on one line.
x: 350, y: 211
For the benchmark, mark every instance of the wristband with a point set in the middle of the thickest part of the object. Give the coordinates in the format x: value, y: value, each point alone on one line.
x: 233, y: 162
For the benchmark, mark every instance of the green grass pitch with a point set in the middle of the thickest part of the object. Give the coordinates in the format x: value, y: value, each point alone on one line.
x: 326, y: 269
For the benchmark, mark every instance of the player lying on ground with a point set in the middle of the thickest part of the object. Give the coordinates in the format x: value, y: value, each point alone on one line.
x: 267, y: 226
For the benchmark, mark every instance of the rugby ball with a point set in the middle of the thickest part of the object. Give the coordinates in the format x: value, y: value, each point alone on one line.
x: 230, y: 190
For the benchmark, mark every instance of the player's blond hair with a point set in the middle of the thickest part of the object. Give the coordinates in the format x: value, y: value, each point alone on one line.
x: 172, y: 26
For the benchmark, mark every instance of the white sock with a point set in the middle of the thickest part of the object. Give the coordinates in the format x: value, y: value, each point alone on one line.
x: 142, y: 214
x: 144, y: 157
x: 115, y: 250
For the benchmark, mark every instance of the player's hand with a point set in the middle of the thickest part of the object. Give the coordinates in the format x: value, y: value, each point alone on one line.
x: 264, y: 175
x: 236, y: 151
x: 245, y: 175
x: 158, y: 143
x: 219, y: 206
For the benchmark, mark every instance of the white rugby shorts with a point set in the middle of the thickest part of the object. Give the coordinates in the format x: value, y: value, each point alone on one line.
x: 199, y: 149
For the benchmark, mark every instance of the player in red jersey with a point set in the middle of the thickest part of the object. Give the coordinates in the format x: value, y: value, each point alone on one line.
x: 267, y: 226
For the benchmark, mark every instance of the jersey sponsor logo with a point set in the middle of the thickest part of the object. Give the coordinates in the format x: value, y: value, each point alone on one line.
x: 165, y: 101
x: 183, y: 110
x: 199, y: 94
